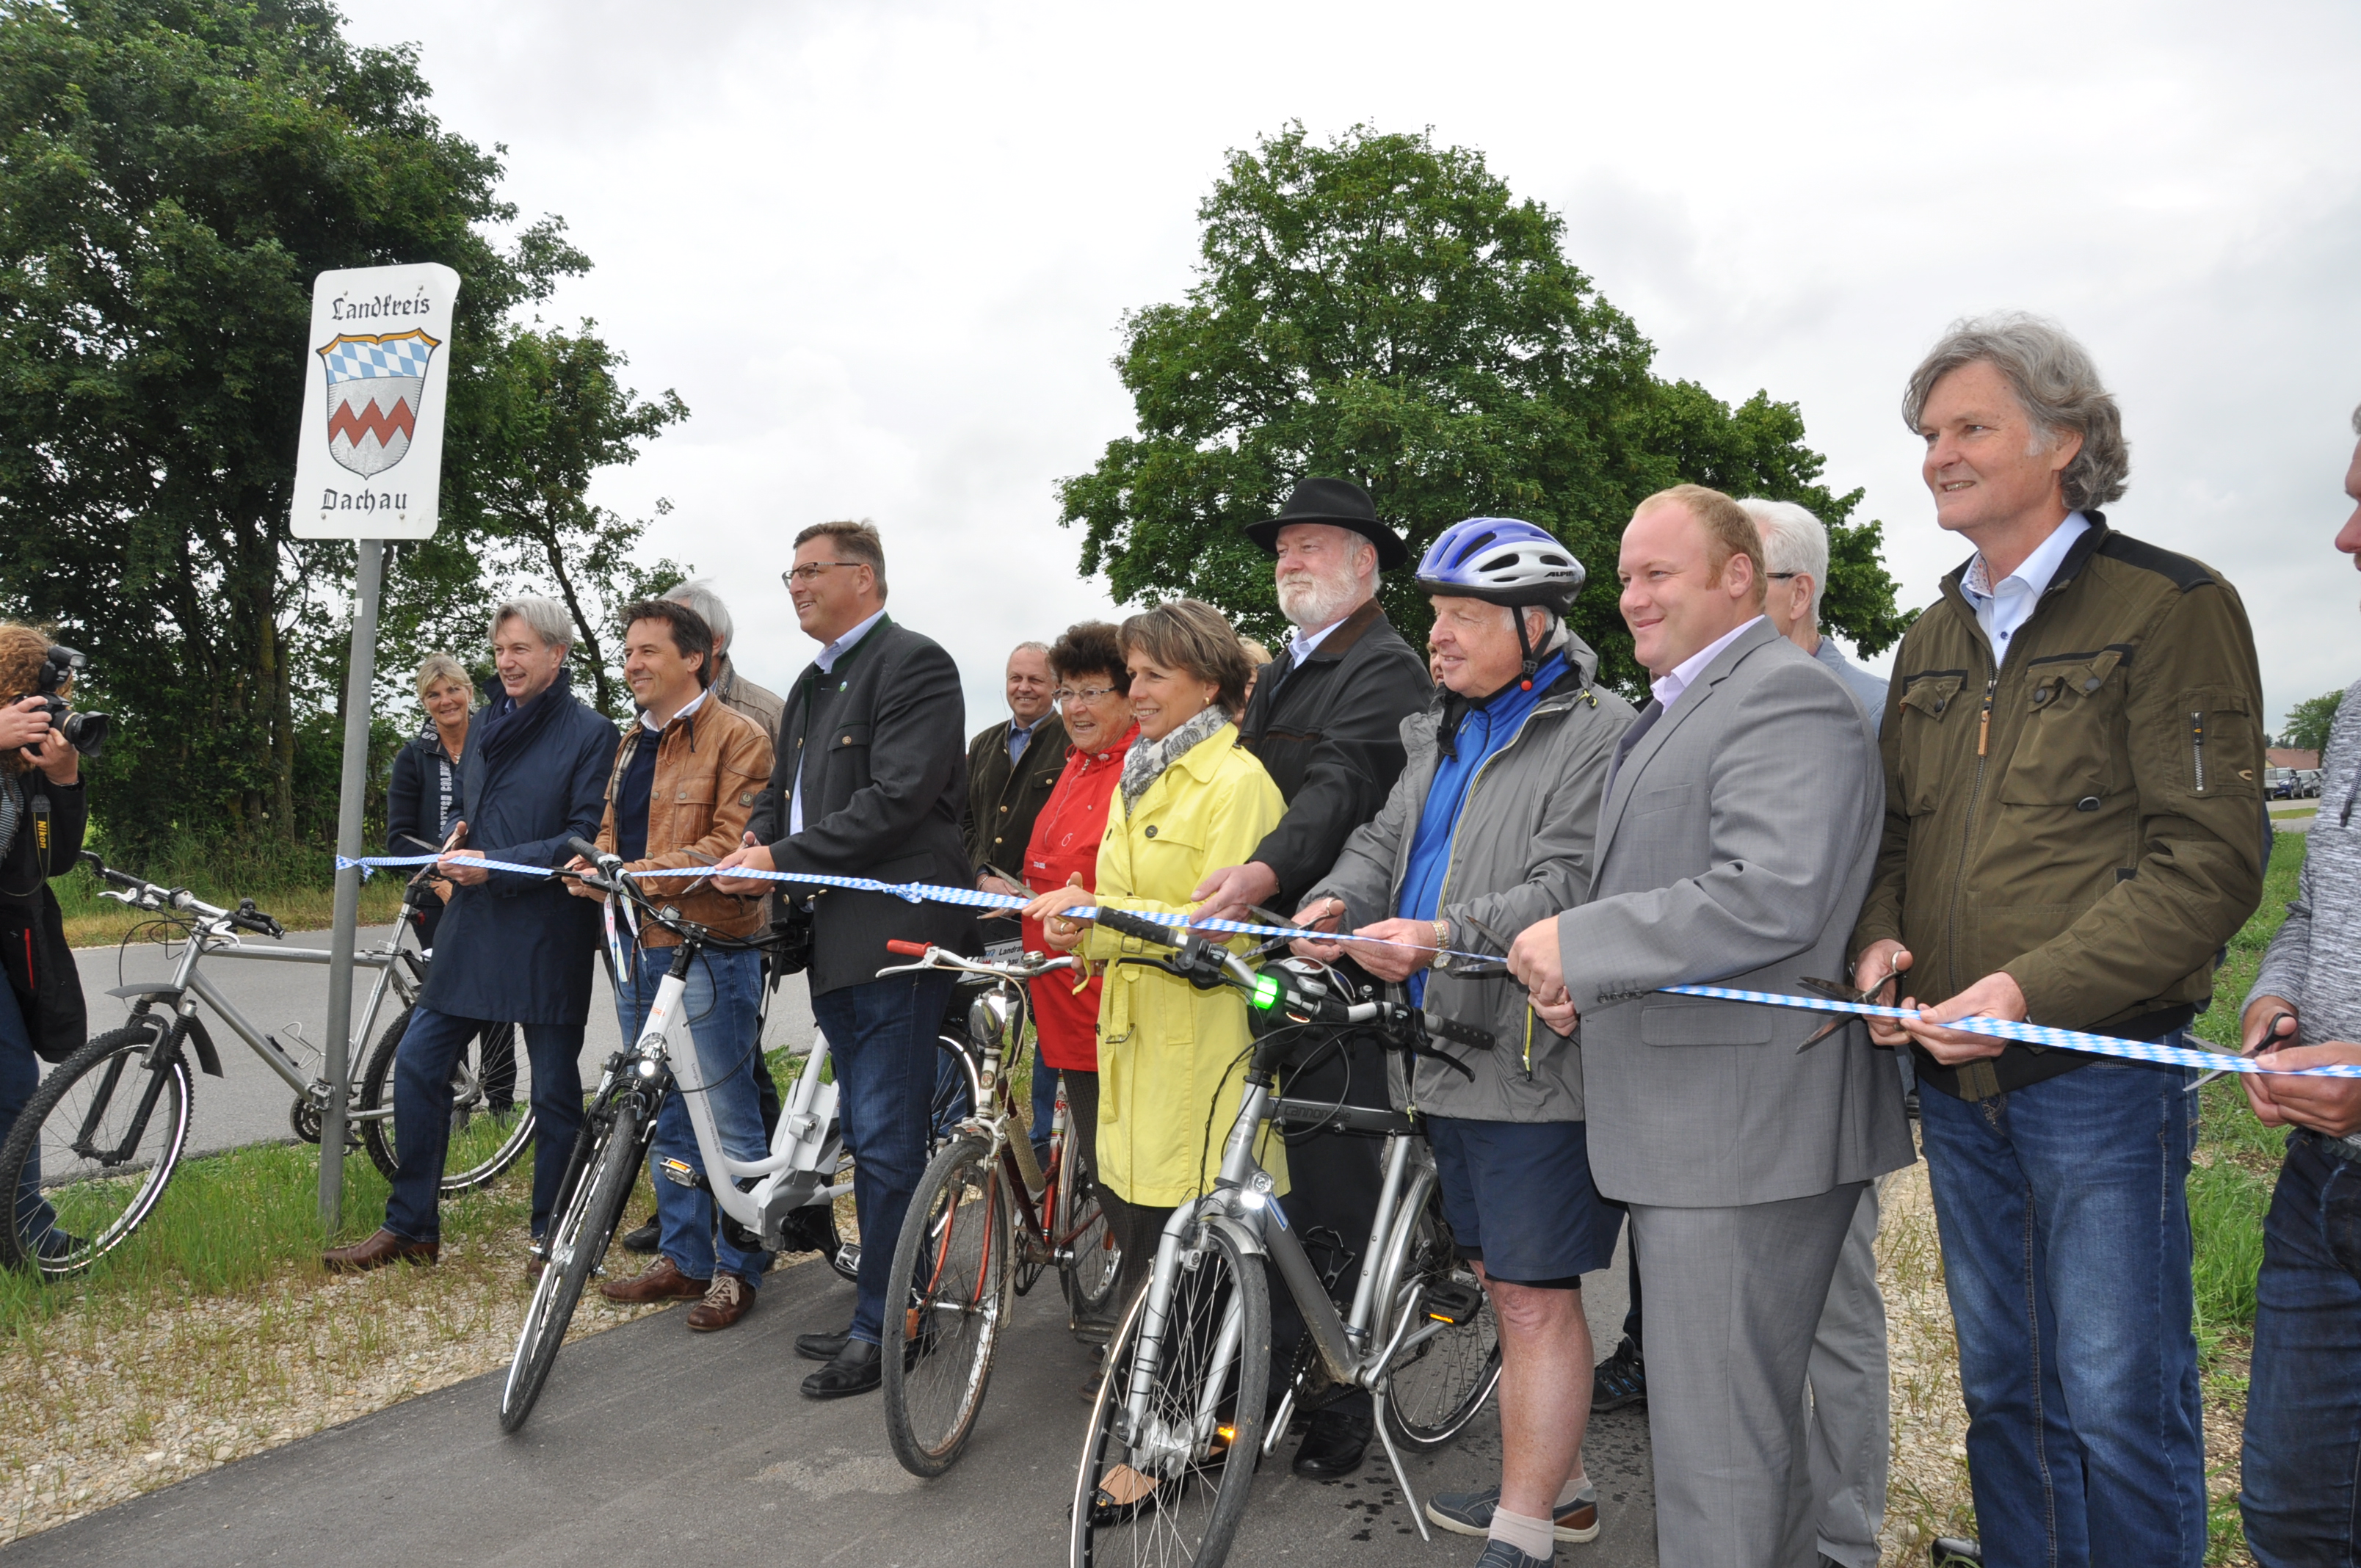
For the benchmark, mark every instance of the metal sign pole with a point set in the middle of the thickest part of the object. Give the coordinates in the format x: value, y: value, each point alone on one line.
x: 357, y: 683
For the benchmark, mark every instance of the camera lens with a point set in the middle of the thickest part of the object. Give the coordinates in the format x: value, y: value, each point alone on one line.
x: 86, y: 732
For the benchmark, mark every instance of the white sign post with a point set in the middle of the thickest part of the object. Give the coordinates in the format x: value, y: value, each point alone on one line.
x: 369, y: 467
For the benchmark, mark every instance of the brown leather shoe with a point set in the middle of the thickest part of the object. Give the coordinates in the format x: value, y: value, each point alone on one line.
x: 377, y: 1251
x: 727, y: 1299
x: 660, y: 1281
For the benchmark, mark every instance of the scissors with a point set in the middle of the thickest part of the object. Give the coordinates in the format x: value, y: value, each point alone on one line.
x: 1483, y: 968
x: 2270, y: 1039
x: 1836, y: 992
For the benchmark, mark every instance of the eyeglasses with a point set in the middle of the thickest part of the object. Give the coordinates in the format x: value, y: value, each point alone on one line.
x: 810, y: 570
x: 1783, y: 576
x: 1087, y: 693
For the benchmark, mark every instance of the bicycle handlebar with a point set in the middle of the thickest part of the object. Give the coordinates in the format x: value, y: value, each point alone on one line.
x: 909, y: 949
x: 144, y: 894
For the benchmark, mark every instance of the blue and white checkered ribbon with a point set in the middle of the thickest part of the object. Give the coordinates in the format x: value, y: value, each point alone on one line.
x: 2024, y: 1033
x: 976, y: 898
x: 930, y: 892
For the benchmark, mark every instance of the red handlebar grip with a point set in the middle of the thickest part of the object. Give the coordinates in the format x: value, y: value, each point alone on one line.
x: 915, y: 950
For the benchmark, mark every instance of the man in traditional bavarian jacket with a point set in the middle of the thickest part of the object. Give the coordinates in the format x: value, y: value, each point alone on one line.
x: 2072, y: 745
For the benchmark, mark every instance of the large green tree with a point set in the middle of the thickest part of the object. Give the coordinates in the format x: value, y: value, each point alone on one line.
x: 172, y: 175
x: 2308, y: 721
x: 1384, y: 309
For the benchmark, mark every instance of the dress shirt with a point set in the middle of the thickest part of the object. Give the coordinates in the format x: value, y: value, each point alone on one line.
x: 1018, y: 739
x: 1669, y: 685
x: 1302, y: 645
x: 826, y: 663
x: 2001, y: 609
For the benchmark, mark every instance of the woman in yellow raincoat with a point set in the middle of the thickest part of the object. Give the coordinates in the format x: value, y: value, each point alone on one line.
x: 1190, y: 802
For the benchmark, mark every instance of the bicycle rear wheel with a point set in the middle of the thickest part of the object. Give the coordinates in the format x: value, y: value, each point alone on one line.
x: 1170, y: 1489
x: 1087, y: 1272
x: 1436, y: 1385
x: 577, y: 1242
x: 954, y: 1251
x: 93, y: 1149
x: 491, y: 1105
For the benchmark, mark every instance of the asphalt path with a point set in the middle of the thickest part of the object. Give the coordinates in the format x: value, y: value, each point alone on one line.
x: 653, y: 1445
x: 249, y: 1102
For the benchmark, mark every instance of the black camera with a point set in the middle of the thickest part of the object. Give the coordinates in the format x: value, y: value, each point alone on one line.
x: 85, y: 732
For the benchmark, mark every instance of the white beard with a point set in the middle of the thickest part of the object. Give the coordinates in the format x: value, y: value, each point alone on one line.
x: 1311, y: 602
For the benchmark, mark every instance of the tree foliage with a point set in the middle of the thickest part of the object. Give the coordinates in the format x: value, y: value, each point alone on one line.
x: 172, y: 175
x: 1384, y: 309
x: 2309, y: 722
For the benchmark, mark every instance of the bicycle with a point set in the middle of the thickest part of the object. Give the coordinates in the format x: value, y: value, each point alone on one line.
x: 1183, y: 1410
x: 101, y: 1136
x: 758, y: 1199
x: 974, y: 1236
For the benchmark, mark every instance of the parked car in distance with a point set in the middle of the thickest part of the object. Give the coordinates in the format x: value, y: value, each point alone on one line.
x: 2278, y: 784
x: 2307, y: 783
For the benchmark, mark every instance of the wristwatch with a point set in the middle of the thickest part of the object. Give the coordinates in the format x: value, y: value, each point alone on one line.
x: 1442, y: 934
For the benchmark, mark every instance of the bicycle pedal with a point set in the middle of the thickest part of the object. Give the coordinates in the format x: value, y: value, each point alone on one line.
x: 1453, y: 1304
x: 847, y: 1256
x: 680, y: 1173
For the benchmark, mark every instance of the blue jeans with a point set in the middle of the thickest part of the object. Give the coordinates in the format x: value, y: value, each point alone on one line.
x: 2301, y: 1499
x: 2064, y: 1215
x: 880, y: 1037
x: 20, y: 1074
x: 1045, y: 1102
x: 422, y: 1064
x: 724, y: 990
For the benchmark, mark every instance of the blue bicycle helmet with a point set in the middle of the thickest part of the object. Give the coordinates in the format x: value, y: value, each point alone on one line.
x: 1504, y: 561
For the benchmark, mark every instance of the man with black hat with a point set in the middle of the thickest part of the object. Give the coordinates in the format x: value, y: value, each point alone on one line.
x: 1326, y: 720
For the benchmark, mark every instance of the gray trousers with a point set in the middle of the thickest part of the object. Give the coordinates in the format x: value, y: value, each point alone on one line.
x: 1851, y: 1423
x: 1735, y: 1298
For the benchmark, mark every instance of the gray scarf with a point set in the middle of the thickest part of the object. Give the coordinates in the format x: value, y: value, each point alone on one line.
x: 1147, y: 759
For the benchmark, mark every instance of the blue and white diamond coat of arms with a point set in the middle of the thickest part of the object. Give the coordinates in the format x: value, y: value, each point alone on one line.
x: 376, y: 387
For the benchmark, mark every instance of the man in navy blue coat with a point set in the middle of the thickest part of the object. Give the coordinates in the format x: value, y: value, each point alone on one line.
x: 512, y: 946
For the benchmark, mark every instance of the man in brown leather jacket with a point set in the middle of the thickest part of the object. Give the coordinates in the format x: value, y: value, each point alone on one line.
x: 683, y: 784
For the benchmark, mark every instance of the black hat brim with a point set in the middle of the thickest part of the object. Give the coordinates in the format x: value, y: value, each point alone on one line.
x: 1391, y: 550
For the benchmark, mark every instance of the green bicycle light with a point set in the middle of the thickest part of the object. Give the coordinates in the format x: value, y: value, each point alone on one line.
x: 1266, y: 992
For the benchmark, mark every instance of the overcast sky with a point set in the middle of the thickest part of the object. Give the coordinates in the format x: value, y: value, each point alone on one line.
x: 883, y: 249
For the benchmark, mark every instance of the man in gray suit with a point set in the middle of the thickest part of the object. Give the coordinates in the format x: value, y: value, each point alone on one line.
x: 1734, y: 848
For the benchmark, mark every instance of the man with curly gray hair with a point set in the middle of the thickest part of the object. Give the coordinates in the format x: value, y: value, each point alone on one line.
x: 2074, y: 829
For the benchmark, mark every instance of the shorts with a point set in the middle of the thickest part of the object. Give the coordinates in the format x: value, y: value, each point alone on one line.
x: 1521, y: 1201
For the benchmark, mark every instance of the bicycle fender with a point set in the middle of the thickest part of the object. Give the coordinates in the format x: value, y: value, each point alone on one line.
x: 207, y: 1058
x: 1246, y: 1242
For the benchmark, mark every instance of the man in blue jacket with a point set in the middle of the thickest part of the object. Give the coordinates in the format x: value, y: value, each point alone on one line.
x: 512, y: 946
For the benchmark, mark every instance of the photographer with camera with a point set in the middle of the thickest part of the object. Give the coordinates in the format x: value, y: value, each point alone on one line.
x: 43, y: 812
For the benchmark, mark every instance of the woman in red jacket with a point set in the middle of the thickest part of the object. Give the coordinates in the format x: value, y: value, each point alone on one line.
x: 1094, y: 698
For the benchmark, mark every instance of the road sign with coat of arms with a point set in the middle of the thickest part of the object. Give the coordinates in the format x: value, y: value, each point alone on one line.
x: 370, y: 458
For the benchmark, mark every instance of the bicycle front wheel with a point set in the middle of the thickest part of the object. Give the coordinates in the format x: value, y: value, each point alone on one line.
x: 1439, y: 1381
x: 92, y: 1150
x: 1168, y: 1484
x: 491, y: 1105
x: 954, y: 1253
x: 577, y: 1242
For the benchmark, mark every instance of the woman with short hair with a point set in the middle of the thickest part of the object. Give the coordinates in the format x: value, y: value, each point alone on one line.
x: 422, y: 802
x: 1187, y: 802
x: 1094, y: 701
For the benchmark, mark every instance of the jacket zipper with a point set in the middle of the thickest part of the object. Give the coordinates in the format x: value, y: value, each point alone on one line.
x: 2197, y: 748
x: 1451, y: 849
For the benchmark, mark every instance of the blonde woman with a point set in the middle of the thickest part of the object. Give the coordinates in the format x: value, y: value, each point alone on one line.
x: 422, y: 803
x: 1188, y: 801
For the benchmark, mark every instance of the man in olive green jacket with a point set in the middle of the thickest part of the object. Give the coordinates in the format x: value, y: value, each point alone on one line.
x: 2072, y: 745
